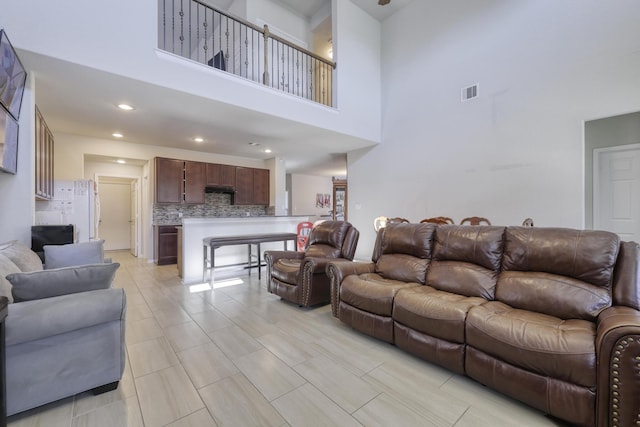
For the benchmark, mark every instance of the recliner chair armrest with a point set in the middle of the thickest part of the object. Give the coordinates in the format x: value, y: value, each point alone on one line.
x: 36, y: 319
x: 617, y: 347
x: 271, y: 257
x: 316, y: 264
x: 337, y: 270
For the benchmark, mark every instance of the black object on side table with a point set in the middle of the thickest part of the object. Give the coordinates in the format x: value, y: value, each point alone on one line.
x: 4, y: 303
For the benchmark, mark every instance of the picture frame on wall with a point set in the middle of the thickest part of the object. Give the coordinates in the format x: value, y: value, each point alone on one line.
x: 8, y: 142
x: 12, y: 77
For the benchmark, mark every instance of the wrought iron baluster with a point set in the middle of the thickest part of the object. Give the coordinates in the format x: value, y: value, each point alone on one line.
x: 205, y: 24
x: 181, y: 38
x: 227, y: 53
x: 246, y: 51
x: 164, y: 24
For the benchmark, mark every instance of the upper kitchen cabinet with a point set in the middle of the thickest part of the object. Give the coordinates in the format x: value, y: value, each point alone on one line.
x: 221, y: 175
x: 244, y: 186
x: 169, y: 180
x: 261, y: 187
x: 194, y: 182
x: 44, y: 159
x: 252, y: 186
x: 180, y: 181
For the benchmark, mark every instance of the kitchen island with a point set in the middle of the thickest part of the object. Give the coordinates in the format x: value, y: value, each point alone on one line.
x: 196, y: 229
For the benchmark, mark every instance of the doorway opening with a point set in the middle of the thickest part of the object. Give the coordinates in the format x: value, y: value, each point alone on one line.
x: 118, y: 212
x: 612, y: 175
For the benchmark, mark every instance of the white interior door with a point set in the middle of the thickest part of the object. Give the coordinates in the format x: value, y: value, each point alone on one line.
x: 133, y: 218
x: 616, y: 201
x: 115, y: 201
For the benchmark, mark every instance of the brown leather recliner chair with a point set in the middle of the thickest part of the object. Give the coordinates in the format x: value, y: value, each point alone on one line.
x: 300, y: 277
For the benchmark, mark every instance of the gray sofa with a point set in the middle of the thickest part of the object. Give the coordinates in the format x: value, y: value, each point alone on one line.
x: 65, y: 324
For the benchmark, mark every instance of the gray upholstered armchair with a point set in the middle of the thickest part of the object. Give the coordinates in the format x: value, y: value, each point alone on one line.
x: 300, y: 277
x: 65, y: 324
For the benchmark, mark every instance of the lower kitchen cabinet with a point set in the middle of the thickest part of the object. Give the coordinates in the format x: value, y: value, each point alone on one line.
x: 166, y: 238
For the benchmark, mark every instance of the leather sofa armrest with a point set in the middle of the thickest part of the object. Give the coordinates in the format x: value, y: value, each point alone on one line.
x: 618, y: 358
x: 337, y: 270
x: 36, y: 319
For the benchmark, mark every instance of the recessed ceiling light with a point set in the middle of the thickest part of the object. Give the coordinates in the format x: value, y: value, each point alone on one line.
x: 125, y: 107
x: 198, y: 139
x: 121, y: 161
x: 117, y: 135
x: 254, y: 144
x: 267, y: 150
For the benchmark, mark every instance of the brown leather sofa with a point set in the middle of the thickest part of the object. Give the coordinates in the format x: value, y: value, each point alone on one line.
x: 300, y: 277
x: 549, y: 316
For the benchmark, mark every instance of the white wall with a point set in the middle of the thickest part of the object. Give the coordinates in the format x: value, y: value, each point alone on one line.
x: 281, y: 21
x: 17, y: 191
x: 543, y: 66
x: 303, y: 194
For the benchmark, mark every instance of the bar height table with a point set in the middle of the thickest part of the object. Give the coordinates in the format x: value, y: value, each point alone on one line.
x: 210, y: 244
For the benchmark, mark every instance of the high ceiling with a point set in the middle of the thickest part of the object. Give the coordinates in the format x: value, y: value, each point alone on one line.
x: 84, y: 105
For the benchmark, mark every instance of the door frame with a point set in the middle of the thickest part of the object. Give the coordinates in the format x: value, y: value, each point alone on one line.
x: 597, y: 152
x: 138, y: 207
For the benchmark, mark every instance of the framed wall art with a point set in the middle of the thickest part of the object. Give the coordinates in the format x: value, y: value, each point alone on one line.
x: 12, y: 77
x: 8, y: 142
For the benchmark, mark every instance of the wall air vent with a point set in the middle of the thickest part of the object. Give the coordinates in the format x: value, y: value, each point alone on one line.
x: 470, y: 92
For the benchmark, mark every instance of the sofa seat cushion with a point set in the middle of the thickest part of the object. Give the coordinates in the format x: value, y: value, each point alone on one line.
x: 539, y: 343
x: 286, y: 270
x: 436, y: 313
x: 371, y: 292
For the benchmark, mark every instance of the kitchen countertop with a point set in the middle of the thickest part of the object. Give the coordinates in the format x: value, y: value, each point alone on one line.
x: 173, y: 222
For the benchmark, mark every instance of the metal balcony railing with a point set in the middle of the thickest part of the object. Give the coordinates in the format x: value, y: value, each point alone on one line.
x: 202, y: 33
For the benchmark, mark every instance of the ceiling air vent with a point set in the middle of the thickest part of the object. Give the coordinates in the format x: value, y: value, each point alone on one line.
x: 469, y: 92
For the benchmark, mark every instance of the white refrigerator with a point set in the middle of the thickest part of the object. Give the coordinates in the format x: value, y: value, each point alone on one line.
x: 75, y: 202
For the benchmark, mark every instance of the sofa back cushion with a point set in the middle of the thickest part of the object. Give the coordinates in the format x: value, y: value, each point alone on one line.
x: 321, y: 250
x: 466, y: 259
x: 58, y: 256
x: 557, y: 271
x: 6, y: 267
x: 327, y: 238
x: 330, y: 233
x: 21, y: 255
x: 404, y: 251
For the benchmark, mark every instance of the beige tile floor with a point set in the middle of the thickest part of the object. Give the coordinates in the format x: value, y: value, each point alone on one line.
x: 239, y: 356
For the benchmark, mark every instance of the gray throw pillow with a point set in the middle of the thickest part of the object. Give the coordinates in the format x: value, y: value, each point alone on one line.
x: 21, y: 255
x: 6, y: 267
x: 56, y: 256
x: 61, y: 281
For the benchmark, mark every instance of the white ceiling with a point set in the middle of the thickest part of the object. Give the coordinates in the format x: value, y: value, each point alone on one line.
x: 80, y: 100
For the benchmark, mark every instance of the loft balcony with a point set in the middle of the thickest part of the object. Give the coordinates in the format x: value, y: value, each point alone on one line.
x: 204, y: 34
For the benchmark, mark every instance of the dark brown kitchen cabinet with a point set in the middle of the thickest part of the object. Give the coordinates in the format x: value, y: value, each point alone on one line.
x: 180, y: 181
x: 44, y: 159
x: 194, y: 182
x: 261, y: 187
x: 244, y: 186
x: 169, y: 180
x: 166, y: 239
x: 222, y: 175
x: 252, y: 186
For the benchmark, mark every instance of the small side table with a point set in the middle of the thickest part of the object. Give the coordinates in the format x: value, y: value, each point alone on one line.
x: 4, y: 303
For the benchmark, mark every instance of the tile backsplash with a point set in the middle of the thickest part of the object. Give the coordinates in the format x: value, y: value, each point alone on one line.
x: 215, y: 205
